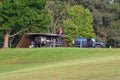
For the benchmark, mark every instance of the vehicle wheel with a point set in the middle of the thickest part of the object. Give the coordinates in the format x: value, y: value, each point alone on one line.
x: 97, y: 46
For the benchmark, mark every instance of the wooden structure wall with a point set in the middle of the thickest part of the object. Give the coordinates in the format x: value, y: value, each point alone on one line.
x: 25, y: 42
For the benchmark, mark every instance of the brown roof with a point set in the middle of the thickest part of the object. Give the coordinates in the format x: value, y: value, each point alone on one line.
x: 43, y: 34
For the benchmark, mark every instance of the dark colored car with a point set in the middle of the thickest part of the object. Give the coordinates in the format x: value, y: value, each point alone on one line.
x: 88, y: 42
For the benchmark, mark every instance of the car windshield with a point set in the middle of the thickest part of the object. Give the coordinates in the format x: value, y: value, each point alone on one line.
x: 93, y: 39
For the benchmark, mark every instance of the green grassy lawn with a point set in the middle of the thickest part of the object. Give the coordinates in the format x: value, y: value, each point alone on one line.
x: 60, y: 64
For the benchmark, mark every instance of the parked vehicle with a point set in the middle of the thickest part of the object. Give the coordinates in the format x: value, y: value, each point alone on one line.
x: 88, y: 42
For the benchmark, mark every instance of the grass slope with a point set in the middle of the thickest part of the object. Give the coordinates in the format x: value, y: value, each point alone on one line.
x: 60, y: 64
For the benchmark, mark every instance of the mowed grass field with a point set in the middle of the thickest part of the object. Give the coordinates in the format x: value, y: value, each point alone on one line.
x: 60, y: 64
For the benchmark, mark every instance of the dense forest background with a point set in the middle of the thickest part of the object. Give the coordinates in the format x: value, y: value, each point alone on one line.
x: 105, y: 14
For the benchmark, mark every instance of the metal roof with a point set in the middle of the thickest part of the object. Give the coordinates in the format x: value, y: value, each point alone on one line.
x: 43, y: 34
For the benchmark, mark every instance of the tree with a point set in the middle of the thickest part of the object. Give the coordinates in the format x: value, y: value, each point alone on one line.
x: 79, y: 24
x: 0, y: 3
x: 58, y: 13
x: 22, y: 15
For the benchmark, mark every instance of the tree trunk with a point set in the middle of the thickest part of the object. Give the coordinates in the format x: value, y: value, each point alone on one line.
x: 6, y: 39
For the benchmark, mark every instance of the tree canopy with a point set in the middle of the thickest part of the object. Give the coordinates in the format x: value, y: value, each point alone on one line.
x: 79, y: 24
x: 23, y: 15
x: 106, y: 18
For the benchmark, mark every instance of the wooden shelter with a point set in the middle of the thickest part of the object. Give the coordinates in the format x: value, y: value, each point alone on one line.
x: 30, y: 40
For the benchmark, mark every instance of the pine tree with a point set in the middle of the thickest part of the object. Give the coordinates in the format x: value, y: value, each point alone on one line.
x: 22, y: 15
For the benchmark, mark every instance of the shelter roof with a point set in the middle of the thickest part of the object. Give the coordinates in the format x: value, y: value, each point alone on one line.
x: 44, y: 34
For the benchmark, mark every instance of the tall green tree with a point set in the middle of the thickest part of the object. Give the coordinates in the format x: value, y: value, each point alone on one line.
x: 23, y: 15
x: 79, y: 24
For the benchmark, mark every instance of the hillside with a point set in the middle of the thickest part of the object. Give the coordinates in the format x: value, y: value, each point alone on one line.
x: 60, y: 64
